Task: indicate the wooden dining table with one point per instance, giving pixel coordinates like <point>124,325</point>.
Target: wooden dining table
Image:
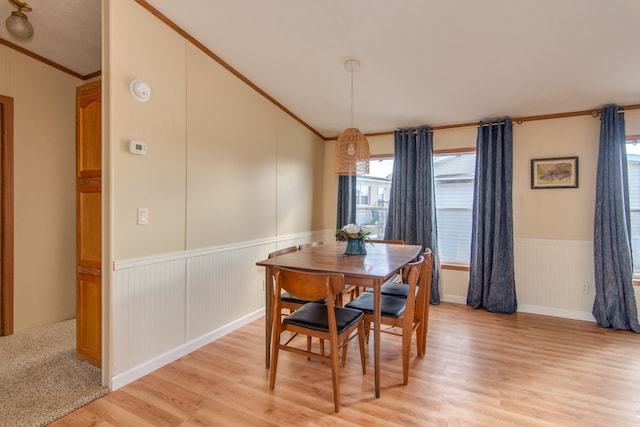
<point>370,270</point>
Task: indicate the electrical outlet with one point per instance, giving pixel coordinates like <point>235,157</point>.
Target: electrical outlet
<point>585,288</point>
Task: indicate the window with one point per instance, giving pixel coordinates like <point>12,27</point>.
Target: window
<point>454,176</point>
<point>372,196</point>
<point>633,167</point>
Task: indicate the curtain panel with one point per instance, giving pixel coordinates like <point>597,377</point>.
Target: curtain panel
<point>615,305</point>
<point>491,275</point>
<point>412,207</point>
<point>346,200</point>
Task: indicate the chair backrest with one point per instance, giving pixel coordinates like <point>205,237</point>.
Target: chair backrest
<point>283,251</point>
<point>412,272</point>
<point>307,285</point>
<point>392,242</point>
<point>308,245</point>
<point>428,275</point>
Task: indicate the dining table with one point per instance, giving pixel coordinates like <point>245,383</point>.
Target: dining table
<point>370,270</point>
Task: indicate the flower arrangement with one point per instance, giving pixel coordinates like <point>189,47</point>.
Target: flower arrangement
<point>352,231</point>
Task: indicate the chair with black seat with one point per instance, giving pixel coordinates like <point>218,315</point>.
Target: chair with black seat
<point>338,325</point>
<point>400,288</point>
<point>395,277</point>
<point>348,289</point>
<point>290,302</point>
<point>404,313</point>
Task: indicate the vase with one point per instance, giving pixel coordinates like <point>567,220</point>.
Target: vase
<point>355,246</point>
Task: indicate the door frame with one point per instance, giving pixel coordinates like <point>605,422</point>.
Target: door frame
<point>6,216</point>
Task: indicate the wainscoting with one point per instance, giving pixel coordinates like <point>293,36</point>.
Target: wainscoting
<point>168,306</point>
<point>553,277</point>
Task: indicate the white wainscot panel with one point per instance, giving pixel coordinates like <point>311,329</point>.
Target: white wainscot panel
<point>167,306</point>
<point>223,287</point>
<point>149,312</point>
<point>555,277</point>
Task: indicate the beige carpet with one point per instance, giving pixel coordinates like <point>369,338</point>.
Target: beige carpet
<point>40,378</point>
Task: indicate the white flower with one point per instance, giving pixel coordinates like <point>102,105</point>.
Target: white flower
<point>352,231</point>
<point>351,228</point>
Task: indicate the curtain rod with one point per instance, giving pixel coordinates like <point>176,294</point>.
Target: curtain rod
<point>519,120</point>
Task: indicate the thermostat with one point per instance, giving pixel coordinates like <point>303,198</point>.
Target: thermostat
<point>138,147</point>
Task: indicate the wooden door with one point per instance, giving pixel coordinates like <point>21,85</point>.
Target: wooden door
<point>6,215</point>
<point>89,222</point>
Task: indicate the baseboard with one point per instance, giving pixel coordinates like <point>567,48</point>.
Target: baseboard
<point>140,371</point>
<point>534,309</point>
<point>557,312</point>
<point>454,298</point>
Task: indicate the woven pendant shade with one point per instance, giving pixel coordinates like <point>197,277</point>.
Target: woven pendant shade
<point>351,155</point>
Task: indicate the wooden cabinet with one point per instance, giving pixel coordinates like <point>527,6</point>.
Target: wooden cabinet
<point>89,222</point>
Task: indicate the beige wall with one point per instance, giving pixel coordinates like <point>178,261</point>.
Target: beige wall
<point>155,181</point>
<point>44,173</point>
<point>224,165</point>
<point>226,177</point>
<point>563,214</point>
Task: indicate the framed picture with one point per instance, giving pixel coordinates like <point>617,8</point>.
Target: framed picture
<point>558,172</point>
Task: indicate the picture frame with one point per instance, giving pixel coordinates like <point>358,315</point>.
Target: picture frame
<point>554,172</point>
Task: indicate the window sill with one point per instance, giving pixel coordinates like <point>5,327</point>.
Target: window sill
<point>457,267</point>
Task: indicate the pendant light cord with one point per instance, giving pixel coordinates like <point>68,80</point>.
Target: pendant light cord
<point>352,95</point>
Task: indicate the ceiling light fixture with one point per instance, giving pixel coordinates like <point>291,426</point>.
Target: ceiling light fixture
<point>351,155</point>
<point>17,23</point>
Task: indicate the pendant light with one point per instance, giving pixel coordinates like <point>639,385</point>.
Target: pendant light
<point>351,155</point>
<point>17,23</point>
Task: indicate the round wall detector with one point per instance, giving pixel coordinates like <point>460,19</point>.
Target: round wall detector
<point>140,90</point>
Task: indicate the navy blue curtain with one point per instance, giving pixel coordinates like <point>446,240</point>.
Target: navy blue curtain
<point>346,200</point>
<point>491,277</point>
<point>615,305</point>
<point>412,206</point>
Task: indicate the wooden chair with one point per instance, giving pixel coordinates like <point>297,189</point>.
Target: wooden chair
<point>338,325</point>
<point>311,244</point>
<point>348,289</point>
<point>396,278</point>
<point>404,313</point>
<point>290,302</point>
<point>400,288</point>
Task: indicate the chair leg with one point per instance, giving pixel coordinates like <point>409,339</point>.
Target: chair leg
<point>367,328</point>
<point>335,372</point>
<point>275,348</point>
<point>406,355</point>
<point>345,346</point>
<point>420,338</point>
<point>425,320</point>
<point>362,352</point>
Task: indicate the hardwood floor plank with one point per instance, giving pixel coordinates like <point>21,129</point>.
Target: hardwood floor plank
<point>481,369</point>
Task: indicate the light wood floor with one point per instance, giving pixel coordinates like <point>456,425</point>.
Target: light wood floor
<point>481,369</point>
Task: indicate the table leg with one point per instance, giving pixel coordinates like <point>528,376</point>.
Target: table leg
<point>376,333</point>
<point>268,315</point>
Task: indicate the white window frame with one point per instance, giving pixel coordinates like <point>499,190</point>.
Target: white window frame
<point>451,264</point>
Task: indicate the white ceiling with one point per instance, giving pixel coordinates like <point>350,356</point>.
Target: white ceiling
<point>432,62</point>
<point>67,32</point>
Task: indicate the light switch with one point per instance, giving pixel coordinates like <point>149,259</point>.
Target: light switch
<point>143,216</point>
